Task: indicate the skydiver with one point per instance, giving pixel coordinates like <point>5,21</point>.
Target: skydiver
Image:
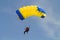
<point>26,30</point>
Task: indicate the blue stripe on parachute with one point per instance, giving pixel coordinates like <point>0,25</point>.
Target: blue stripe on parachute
<point>20,15</point>
<point>40,9</point>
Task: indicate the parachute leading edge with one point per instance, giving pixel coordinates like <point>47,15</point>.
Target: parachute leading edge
<point>28,11</point>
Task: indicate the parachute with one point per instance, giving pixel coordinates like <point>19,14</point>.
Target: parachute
<point>28,11</point>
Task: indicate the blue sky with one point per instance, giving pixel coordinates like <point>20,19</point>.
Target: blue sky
<point>40,29</point>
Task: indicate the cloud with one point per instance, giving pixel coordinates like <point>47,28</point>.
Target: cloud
<point>50,24</point>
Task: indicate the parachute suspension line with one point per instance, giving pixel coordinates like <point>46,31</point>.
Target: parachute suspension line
<point>29,22</point>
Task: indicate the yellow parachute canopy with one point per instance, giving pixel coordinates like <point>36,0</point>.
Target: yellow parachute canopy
<point>28,11</point>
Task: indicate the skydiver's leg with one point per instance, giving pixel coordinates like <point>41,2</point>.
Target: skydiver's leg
<point>24,32</point>
<point>27,31</point>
